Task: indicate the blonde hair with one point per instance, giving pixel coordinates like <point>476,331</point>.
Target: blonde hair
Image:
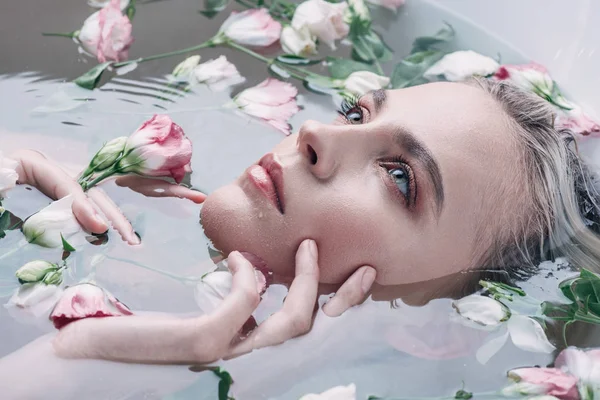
<point>562,219</point>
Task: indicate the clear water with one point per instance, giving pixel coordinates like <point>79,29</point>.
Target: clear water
<point>374,346</point>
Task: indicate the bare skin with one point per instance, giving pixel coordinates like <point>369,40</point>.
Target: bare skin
<point>392,192</point>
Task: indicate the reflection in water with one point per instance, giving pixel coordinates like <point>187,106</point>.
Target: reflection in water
<point>404,350</point>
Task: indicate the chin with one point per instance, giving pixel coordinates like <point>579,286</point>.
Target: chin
<point>230,222</point>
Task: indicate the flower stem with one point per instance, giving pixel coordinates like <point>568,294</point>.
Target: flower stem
<point>61,34</point>
<point>372,54</point>
<point>88,185</point>
<point>208,43</point>
<point>236,46</point>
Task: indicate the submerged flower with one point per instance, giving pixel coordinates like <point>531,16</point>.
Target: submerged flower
<point>218,74</point>
<point>158,148</point>
<point>272,100</point>
<point>362,82</point>
<point>297,41</point>
<point>323,20</point>
<point>489,314</point>
<point>8,174</point>
<point>35,299</point>
<point>46,226</point>
<point>335,393</point>
<point>86,300</point>
<point>254,27</point>
<point>542,381</point>
<point>533,77</point>
<point>577,121</point>
<point>184,69</point>
<point>583,365</point>
<point>107,34</point>
<point>390,4</point>
<point>461,65</point>
<point>35,271</point>
<point>482,310</point>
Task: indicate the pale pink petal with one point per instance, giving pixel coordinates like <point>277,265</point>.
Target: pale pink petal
<point>85,301</point>
<point>554,381</point>
<point>254,27</point>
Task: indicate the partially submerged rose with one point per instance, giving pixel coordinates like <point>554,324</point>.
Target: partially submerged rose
<point>323,20</point>
<point>362,82</point>
<point>106,34</point>
<point>272,100</point>
<point>486,313</point>
<point>542,381</point>
<point>46,226</point>
<point>86,300</point>
<point>583,365</point>
<point>298,41</point>
<point>218,74</point>
<point>34,299</point>
<point>183,70</point>
<point>8,175</point>
<point>254,27</point>
<point>159,148</point>
<point>461,65</point>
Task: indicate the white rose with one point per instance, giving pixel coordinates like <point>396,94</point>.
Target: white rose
<point>8,174</point>
<point>323,20</point>
<point>184,69</point>
<point>461,65</point>
<point>362,82</point>
<point>299,42</point>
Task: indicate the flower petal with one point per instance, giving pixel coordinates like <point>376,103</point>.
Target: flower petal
<point>491,347</point>
<point>527,334</point>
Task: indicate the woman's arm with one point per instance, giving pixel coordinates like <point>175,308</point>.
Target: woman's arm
<point>211,337</point>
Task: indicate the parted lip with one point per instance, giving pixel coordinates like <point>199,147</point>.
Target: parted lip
<point>275,171</point>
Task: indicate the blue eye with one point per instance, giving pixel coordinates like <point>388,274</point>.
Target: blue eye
<point>402,180</point>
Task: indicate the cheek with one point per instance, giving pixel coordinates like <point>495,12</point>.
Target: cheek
<point>349,235</point>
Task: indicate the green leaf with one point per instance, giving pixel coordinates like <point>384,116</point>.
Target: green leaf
<point>320,85</point>
<point>213,7</point>
<point>566,287</point>
<point>340,68</point>
<point>292,59</point>
<point>424,43</point>
<point>279,72</point>
<point>130,10</point>
<point>66,245</point>
<point>463,394</point>
<point>90,79</point>
<point>370,47</point>
<point>224,384</point>
<point>409,72</point>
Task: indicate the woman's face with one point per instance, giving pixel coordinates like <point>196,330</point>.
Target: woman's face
<point>402,182</point>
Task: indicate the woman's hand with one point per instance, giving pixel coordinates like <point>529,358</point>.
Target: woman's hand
<point>214,336</point>
<point>36,170</point>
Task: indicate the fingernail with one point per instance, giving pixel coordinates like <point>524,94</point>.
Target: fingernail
<point>312,248</point>
<point>367,280</point>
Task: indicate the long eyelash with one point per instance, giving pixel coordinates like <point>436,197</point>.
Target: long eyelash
<point>412,181</point>
<point>348,104</point>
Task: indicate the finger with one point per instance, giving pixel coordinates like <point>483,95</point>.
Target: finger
<point>159,188</point>
<point>87,215</point>
<point>352,292</point>
<point>114,215</point>
<point>295,318</point>
<point>241,301</point>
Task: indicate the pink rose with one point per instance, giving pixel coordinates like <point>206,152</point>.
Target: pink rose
<point>390,4</point>
<point>253,27</point>
<point>548,381</point>
<point>272,100</point>
<point>107,34</point>
<point>158,148</point>
<point>86,300</point>
<point>578,122</point>
<point>583,365</point>
<point>533,77</point>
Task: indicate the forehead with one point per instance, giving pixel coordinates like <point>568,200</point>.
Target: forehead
<point>470,137</point>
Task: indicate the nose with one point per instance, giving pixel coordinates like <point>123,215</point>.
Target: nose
<point>320,145</point>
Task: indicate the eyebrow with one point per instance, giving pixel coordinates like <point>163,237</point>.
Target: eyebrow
<point>417,149</point>
<point>379,97</point>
